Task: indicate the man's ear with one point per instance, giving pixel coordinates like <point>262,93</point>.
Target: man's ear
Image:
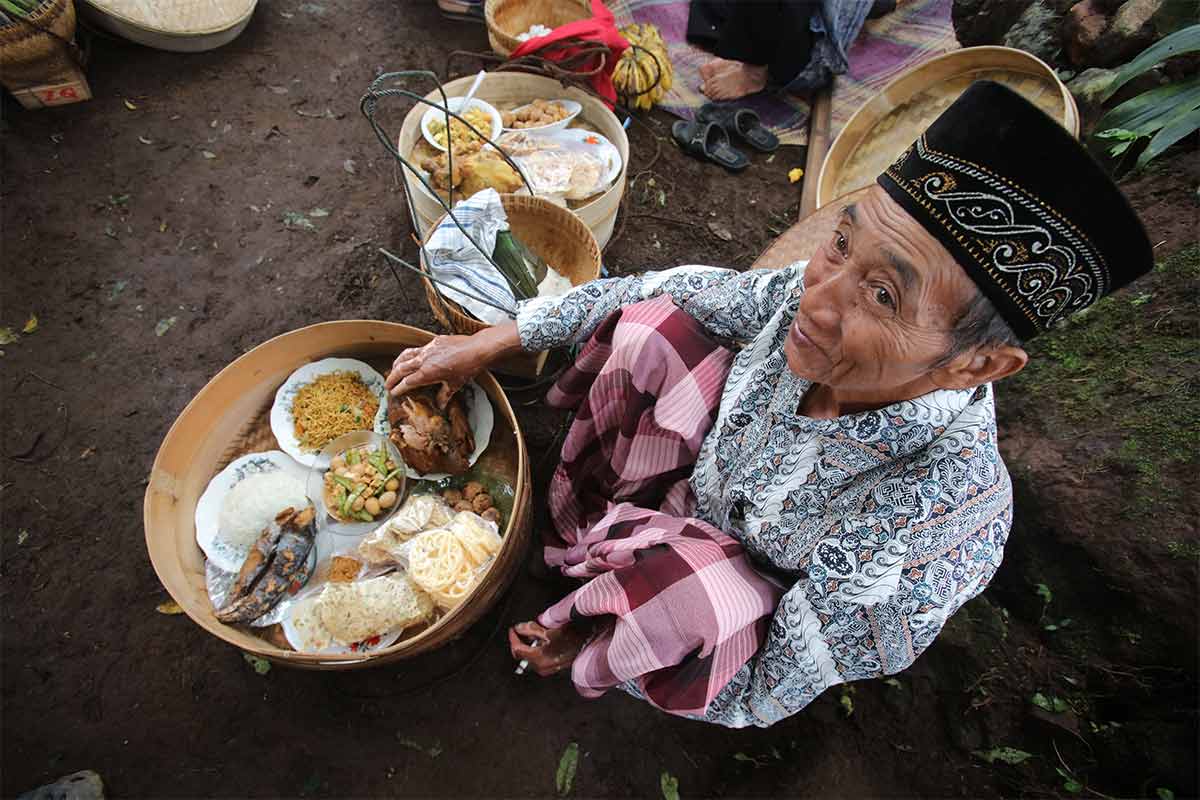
<point>978,367</point>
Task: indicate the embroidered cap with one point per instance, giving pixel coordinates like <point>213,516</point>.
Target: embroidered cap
<point>1025,210</point>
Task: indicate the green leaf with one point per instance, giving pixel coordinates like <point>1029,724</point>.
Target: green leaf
<point>1069,783</point>
<point>1178,43</point>
<point>1116,133</point>
<point>669,785</point>
<point>1041,701</point>
<point>566,769</point>
<point>1043,591</point>
<point>7,336</point>
<point>261,665</point>
<point>1005,755</point>
<point>1169,135</point>
<point>892,682</point>
<point>1164,794</point>
<point>1149,111</point>
<point>164,325</point>
<point>847,704</point>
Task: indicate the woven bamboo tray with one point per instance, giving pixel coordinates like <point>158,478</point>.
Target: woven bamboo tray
<point>185,26</point>
<point>230,417</point>
<point>507,19</point>
<point>892,120</point>
<point>559,237</point>
<point>802,241</point>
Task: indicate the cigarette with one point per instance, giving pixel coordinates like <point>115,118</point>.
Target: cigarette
<point>520,670</point>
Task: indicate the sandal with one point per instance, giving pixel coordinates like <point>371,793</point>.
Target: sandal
<point>742,123</point>
<point>709,141</point>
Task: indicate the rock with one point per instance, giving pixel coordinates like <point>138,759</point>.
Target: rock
<point>979,22</point>
<point>1088,88</point>
<point>83,785</point>
<point>1085,23</point>
<point>1131,31</point>
<point>1037,31</point>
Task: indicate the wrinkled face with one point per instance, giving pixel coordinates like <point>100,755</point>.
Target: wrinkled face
<point>880,300</point>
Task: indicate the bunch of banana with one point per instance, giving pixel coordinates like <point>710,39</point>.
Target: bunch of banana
<point>635,73</point>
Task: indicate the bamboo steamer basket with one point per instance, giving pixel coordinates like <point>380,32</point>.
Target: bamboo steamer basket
<point>30,54</point>
<point>184,26</point>
<point>559,237</point>
<point>506,88</point>
<point>507,19</point>
<point>801,241</point>
<point>230,417</point>
<point>890,121</point>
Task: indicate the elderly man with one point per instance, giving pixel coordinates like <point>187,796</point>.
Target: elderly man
<point>779,481</point>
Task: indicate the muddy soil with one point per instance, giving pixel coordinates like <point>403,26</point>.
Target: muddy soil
<point>148,232</point>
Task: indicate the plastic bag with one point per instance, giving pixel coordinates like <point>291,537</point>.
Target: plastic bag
<point>556,164</point>
<point>387,544</point>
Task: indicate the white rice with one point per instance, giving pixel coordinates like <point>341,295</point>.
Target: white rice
<point>253,504</point>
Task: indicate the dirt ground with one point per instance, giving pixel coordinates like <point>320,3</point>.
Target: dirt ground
<point>146,231</point>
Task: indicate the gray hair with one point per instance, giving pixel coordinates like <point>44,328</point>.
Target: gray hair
<point>979,326</point>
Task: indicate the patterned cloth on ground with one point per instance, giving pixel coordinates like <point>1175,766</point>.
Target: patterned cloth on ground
<point>680,607</point>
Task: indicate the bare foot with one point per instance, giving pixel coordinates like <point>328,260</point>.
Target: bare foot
<point>547,650</point>
<point>734,81</point>
<point>714,66</point>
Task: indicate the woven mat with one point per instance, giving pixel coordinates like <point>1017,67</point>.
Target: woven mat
<point>785,114</point>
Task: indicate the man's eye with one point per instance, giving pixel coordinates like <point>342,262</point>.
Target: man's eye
<point>884,297</point>
<point>839,241</point>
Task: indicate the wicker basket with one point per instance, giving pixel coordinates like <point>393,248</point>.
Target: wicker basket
<point>506,19</point>
<point>39,52</point>
<point>558,236</point>
<point>229,417</point>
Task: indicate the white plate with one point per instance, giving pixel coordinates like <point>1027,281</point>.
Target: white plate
<point>302,642</point>
<point>481,418</point>
<point>573,109</point>
<point>600,147</point>
<point>223,554</point>
<point>283,424</point>
<point>455,104</point>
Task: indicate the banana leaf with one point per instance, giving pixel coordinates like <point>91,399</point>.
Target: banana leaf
<point>1182,41</point>
<point>1170,133</point>
<point>1151,110</point>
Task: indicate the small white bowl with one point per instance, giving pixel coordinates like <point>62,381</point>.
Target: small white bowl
<point>573,109</point>
<point>455,104</point>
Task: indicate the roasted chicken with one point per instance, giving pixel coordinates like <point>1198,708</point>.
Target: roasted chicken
<point>429,437</point>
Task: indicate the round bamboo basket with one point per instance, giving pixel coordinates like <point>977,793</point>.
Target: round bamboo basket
<point>507,19</point>
<point>505,90</point>
<point>34,53</point>
<point>802,241</point>
<point>229,417</point>
<point>559,237</point>
<point>890,121</point>
<point>183,26</point>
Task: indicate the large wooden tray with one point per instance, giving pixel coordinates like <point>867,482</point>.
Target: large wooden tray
<point>229,417</point>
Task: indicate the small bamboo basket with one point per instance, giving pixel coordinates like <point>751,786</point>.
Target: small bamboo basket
<point>39,62</point>
<point>507,19</point>
<point>558,236</point>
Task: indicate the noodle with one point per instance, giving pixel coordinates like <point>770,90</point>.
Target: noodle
<point>332,405</point>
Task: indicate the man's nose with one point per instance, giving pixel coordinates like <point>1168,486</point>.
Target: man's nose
<point>823,300</point>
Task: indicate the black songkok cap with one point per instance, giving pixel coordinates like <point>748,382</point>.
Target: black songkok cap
<point>1030,216</point>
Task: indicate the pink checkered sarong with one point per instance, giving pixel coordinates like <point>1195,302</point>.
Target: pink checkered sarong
<point>679,608</point>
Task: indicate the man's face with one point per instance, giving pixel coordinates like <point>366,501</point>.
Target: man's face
<point>880,300</point>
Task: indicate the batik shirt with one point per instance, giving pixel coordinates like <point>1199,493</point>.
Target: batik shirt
<point>882,523</point>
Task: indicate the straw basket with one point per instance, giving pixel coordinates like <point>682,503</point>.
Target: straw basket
<point>889,122</point>
<point>39,52</point>
<point>229,417</point>
<point>506,19</point>
<point>559,237</point>
<point>505,89</point>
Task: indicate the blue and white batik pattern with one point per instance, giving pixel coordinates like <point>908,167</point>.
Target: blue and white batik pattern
<point>883,523</point>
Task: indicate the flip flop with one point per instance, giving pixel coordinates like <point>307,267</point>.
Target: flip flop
<point>742,123</point>
<point>462,10</point>
<point>709,141</point>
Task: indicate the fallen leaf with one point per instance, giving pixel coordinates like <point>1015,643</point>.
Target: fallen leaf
<point>209,154</point>
<point>130,105</point>
<point>566,769</point>
<point>164,325</point>
<point>1006,755</point>
<point>144,140</point>
<point>7,336</point>
<point>895,684</point>
<point>412,744</point>
<point>319,212</point>
<point>1043,591</point>
<point>795,174</point>
<point>770,158</point>
<point>847,704</point>
<point>23,536</point>
<point>87,453</point>
<point>669,785</point>
<point>720,232</point>
<point>171,608</point>
<point>278,89</point>
<point>349,166</point>
<point>294,219</point>
<point>261,665</point>
<point>1164,794</point>
<point>162,226</point>
<point>31,325</point>
<point>118,287</point>
<point>110,231</point>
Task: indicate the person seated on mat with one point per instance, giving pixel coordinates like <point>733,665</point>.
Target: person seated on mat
<point>778,481</point>
<point>798,45</point>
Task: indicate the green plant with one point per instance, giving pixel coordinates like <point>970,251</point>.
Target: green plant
<point>1163,115</point>
<point>17,8</point>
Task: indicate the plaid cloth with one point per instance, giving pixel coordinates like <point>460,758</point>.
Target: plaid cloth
<point>681,608</point>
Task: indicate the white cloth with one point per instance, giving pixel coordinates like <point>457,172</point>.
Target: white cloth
<point>454,260</point>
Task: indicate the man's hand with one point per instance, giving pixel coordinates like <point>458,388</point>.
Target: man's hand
<point>451,360</point>
<point>547,650</point>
